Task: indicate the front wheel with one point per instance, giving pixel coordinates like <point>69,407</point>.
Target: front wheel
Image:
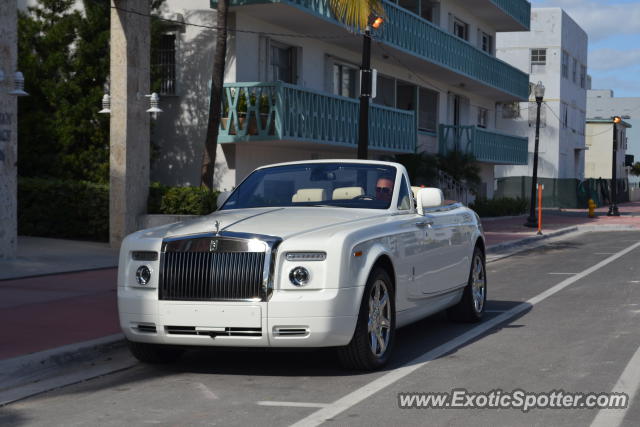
<point>154,353</point>
<point>471,306</point>
<point>373,339</point>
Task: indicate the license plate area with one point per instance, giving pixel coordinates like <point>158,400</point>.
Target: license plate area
<point>211,317</point>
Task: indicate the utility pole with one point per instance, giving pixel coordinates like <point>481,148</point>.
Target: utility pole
<point>366,84</point>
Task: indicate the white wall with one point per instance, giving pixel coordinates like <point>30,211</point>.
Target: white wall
<point>598,157</point>
<point>561,153</point>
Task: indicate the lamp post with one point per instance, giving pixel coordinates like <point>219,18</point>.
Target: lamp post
<point>531,220</point>
<point>613,205</point>
<point>365,88</point>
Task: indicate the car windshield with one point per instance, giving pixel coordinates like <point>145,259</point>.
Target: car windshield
<point>349,185</point>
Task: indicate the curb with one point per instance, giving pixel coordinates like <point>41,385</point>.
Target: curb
<point>35,373</point>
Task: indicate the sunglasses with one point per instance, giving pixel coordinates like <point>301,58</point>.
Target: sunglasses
<point>385,190</point>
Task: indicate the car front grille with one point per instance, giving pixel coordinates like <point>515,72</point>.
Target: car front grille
<point>211,276</point>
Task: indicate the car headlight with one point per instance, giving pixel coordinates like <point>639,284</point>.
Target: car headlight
<point>299,276</point>
<point>143,275</point>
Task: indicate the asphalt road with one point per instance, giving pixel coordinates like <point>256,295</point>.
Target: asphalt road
<point>571,311</point>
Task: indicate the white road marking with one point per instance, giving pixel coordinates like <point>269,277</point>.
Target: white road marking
<point>357,396</point>
<point>635,281</point>
<point>568,274</point>
<point>206,391</point>
<point>292,404</point>
<point>627,383</point>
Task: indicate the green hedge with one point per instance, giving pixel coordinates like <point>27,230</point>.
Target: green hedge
<point>80,209</point>
<point>504,206</point>
<point>67,209</point>
<point>181,200</point>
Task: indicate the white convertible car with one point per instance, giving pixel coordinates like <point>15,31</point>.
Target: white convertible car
<point>327,253</point>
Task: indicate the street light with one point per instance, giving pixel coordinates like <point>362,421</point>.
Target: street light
<point>365,87</point>
<point>531,221</point>
<point>613,206</point>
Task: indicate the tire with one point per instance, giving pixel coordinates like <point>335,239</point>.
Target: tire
<point>471,307</point>
<point>154,353</point>
<point>359,353</point>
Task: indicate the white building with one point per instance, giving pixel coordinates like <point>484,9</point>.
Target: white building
<point>555,53</point>
<point>600,154</point>
<point>292,82</point>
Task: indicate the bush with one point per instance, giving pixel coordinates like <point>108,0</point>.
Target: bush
<point>67,209</point>
<point>80,209</point>
<point>504,206</point>
<point>181,200</point>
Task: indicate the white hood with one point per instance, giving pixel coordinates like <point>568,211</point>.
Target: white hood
<point>280,222</point>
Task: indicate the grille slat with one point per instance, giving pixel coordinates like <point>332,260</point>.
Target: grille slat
<point>211,276</point>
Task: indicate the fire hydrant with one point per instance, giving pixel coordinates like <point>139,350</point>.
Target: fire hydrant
<point>592,208</point>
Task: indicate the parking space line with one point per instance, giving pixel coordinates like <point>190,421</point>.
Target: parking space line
<point>292,404</point>
<point>627,383</point>
<point>348,401</point>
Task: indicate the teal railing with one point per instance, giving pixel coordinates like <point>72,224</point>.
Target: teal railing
<point>411,33</point>
<point>487,146</point>
<point>269,111</point>
<point>520,10</point>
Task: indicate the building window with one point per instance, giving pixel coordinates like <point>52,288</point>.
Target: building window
<point>282,63</point>
<point>583,77</point>
<point>386,92</point>
<point>575,71</point>
<point>486,42</point>
<point>163,69</point>
<point>430,10</point>
<point>460,29</point>
<point>511,110</point>
<point>427,110</point>
<point>538,59</point>
<point>565,64</point>
<point>344,80</point>
<point>483,117</point>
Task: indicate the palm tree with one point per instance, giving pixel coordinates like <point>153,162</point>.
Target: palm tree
<point>353,13</point>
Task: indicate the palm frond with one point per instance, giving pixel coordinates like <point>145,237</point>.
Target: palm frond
<point>356,13</point>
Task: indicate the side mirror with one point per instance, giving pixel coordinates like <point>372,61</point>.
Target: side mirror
<point>222,197</point>
<point>429,198</point>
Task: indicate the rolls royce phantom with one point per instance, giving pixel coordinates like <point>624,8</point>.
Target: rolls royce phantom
<point>326,253</point>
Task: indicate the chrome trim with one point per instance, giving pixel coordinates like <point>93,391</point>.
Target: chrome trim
<point>228,242</point>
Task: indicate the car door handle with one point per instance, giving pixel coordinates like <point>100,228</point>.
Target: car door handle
<point>424,223</point>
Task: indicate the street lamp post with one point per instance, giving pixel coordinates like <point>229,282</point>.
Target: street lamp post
<point>365,88</point>
<point>613,205</point>
<point>531,220</point>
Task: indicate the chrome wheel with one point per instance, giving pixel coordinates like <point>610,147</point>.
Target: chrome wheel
<point>379,324</point>
<point>478,283</point>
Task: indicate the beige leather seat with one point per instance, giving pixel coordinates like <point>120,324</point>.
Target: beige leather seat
<point>344,193</point>
<point>309,195</point>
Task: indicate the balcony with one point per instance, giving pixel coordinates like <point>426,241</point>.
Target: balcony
<point>418,43</point>
<point>280,111</point>
<point>487,146</point>
<point>504,15</point>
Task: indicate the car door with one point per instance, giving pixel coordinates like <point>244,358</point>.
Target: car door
<point>447,255</point>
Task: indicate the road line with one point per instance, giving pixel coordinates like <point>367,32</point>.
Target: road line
<point>397,374</point>
<point>627,383</point>
<point>293,404</point>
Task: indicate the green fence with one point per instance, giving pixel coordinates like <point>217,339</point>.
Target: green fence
<point>486,145</point>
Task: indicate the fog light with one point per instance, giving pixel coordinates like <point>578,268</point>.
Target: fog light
<point>299,276</point>
<point>143,275</point>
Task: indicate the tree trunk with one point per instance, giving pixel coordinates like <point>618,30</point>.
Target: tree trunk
<point>217,78</point>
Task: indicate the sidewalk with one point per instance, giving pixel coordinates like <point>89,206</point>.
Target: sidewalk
<point>54,310</point>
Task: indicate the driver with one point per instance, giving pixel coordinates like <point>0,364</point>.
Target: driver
<point>384,188</point>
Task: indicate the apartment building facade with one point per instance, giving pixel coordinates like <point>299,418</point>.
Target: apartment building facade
<point>292,82</point>
<point>554,52</point>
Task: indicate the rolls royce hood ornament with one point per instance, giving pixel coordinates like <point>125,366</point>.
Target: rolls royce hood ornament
<point>217,225</point>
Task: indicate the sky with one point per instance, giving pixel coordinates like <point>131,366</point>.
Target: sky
<point>613,27</point>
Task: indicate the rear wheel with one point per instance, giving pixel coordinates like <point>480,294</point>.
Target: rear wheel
<point>154,353</point>
<point>373,339</point>
<point>471,306</point>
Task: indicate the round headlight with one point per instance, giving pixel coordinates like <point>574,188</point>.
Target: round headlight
<point>143,275</point>
<point>299,276</point>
